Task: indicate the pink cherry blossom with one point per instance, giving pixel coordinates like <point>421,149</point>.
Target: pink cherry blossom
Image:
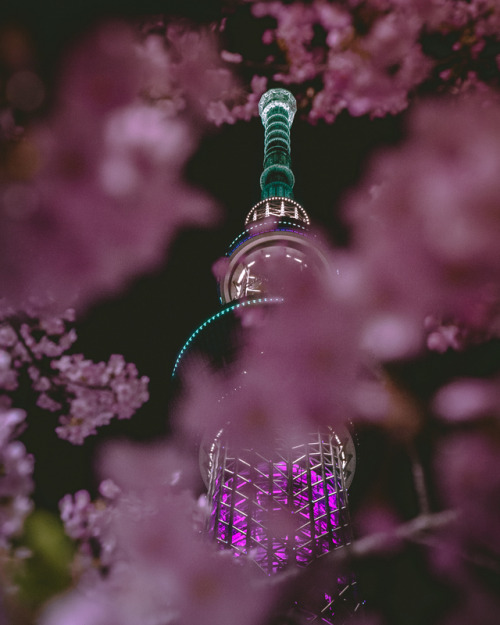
<point>246,405</point>
<point>131,465</point>
<point>86,607</point>
<point>135,475</point>
<point>446,335</point>
<point>88,394</point>
<point>104,163</point>
<point>467,475</point>
<point>88,524</point>
<point>371,57</point>
<point>162,569</point>
<point>219,112</point>
<point>468,399</point>
<point>370,72</point>
<point>314,335</point>
<point>96,393</point>
<point>427,234</point>
<point>16,483</point>
<point>97,196</point>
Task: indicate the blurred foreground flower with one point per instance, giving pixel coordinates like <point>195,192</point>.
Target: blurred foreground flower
<point>161,569</point>
<point>427,222</point>
<point>468,553</point>
<point>16,483</point>
<point>94,195</point>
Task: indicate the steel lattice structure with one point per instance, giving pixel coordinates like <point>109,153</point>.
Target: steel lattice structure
<point>306,480</point>
<point>301,488</point>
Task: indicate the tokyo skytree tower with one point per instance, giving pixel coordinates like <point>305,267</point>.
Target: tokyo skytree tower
<point>308,481</point>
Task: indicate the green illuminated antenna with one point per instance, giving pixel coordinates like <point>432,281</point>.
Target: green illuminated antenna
<point>277,108</point>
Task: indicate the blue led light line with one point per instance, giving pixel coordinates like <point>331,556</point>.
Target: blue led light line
<point>251,302</point>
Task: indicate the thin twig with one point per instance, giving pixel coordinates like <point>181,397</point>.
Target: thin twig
<point>419,480</point>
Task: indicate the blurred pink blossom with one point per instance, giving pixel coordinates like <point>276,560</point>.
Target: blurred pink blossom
<point>299,367</point>
<point>468,399</point>
<point>444,335</point>
<point>163,570</point>
<point>246,404</point>
<point>131,466</point>
<point>428,235</point>
<point>102,190</point>
<point>219,112</point>
<point>16,481</point>
<point>309,349</point>
<point>467,469</point>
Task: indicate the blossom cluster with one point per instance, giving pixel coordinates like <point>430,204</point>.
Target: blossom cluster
<point>88,522</point>
<point>16,484</point>
<point>104,161</point>
<point>364,73</point>
<point>95,392</point>
<point>196,74</point>
<point>27,341</point>
<point>158,567</point>
<point>87,394</point>
<point>365,57</point>
<point>426,224</point>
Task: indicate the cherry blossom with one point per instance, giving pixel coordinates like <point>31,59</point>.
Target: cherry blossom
<point>88,523</point>
<point>366,57</point>
<point>31,338</point>
<point>95,191</point>
<point>248,409</point>
<point>467,400</point>
<point>96,392</point>
<point>442,336</point>
<point>16,483</point>
<point>367,61</point>
<point>130,465</point>
<point>135,475</point>
<point>104,162</point>
<point>425,222</point>
<point>467,472</point>
<point>218,111</point>
<point>162,570</point>
<point>87,394</point>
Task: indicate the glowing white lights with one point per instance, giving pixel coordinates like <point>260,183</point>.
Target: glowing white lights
<point>277,207</point>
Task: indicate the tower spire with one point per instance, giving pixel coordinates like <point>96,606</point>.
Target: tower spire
<point>277,108</point>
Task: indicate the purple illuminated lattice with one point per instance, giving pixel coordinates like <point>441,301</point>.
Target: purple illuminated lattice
<point>280,510</point>
<point>286,509</point>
